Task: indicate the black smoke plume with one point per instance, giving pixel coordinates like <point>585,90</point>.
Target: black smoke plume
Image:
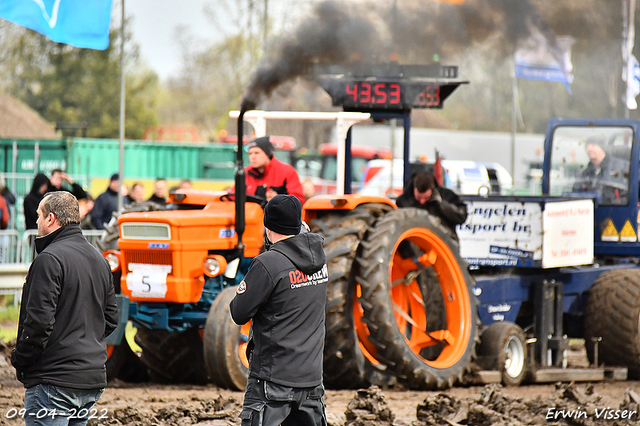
<point>341,32</point>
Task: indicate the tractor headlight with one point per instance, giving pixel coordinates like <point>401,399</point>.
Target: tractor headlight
<point>214,265</point>
<point>113,257</point>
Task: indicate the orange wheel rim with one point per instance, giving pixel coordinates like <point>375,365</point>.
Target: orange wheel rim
<point>110,349</point>
<point>408,305</point>
<point>244,341</point>
<point>368,349</point>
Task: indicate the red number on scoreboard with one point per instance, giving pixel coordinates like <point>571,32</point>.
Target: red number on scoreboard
<point>353,92</point>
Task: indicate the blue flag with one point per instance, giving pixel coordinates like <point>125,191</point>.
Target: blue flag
<point>536,59</point>
<point>80,23</point>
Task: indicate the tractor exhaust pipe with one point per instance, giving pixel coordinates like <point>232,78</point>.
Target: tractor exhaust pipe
<point>241,186</point>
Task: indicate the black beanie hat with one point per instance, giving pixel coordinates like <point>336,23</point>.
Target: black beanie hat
<point>282,214</point>
<point>264,144</point>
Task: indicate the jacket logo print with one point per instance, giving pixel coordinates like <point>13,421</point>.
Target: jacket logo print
<point>299,279</point>
<point>242,287</point>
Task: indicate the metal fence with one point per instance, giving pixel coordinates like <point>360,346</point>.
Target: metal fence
<point>10,246</point>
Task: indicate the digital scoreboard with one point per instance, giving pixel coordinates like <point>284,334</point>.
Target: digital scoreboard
<point>388,87</point>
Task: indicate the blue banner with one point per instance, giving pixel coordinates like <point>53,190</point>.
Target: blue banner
<point>540,72</point>
<point>536,59</point>
<point>80,23</point>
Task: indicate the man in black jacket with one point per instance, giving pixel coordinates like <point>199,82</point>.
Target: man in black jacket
<point>68,309</point>
<point>422,192</point>
<point>605,174</point>
<point>32,200</point>
<point>58,177</point>
<point>284,294</point>
<point>106,203</point>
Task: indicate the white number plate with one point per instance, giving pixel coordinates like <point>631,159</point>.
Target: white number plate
<point>148,280</point>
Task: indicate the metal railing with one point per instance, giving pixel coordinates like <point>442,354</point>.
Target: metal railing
<point>9,246</point>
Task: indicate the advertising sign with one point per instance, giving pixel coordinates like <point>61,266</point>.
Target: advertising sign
<point>568,233</point>
<point>502,233</point>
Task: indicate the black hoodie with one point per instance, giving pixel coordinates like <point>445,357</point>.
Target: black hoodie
<point>68,309</point>
<point>284,293</point>
<point>32,200</point>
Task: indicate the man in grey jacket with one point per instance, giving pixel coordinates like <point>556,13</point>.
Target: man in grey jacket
<point>284,294</point>
<point>68,310</point>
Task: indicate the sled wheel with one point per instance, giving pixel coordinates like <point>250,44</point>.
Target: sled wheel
<point>172,357</point>
<point>394,308</point>
<point>347,365</point>
<point>503,347</point>
<point>225,344</point>
<point>612,312</point>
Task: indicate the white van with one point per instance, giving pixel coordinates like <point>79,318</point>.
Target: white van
<point>464,177</point>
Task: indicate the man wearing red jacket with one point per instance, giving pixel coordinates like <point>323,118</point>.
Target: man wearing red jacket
<point>267,176</point>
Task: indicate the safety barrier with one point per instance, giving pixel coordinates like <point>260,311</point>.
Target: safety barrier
<point>9,246</point>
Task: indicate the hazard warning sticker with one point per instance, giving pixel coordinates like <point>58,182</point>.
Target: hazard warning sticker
<point>627,233</point>
<point>609,231</point>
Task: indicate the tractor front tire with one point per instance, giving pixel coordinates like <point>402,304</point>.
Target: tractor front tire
<point>612,312</point>
<point>225,345</point>
<point>397,313</point>
<point>172,357</point>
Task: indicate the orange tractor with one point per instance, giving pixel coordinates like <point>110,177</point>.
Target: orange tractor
<point>400,306</point>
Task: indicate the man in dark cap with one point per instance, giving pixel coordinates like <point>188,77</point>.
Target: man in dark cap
<point>106,203</point>
<point>284,294</point>
<point>605,174</point>
<point>423,192</point>
<point>266,176</point>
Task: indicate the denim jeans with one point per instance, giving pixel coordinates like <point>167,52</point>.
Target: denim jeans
<point>55,405</point>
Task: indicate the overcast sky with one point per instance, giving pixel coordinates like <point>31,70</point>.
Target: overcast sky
<point>155,22</point>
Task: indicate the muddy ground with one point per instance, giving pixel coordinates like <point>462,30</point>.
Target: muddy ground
<point>152,404</point>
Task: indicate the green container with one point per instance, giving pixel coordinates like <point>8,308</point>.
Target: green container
<point>50,154</point>
<point>145,159</point>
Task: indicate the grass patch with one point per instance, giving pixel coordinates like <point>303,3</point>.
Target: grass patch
<point>8,333</point>
<point>9,313</point>
<point>9,322</point>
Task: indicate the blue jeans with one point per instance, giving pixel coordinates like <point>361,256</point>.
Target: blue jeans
<point>56,406</point>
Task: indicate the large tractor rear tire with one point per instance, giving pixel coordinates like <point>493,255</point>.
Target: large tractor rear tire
<point>396,310</point>
<point>345,364</point>
<point>172,357</point>
<point>612,312</point>
<point>225,345</point>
